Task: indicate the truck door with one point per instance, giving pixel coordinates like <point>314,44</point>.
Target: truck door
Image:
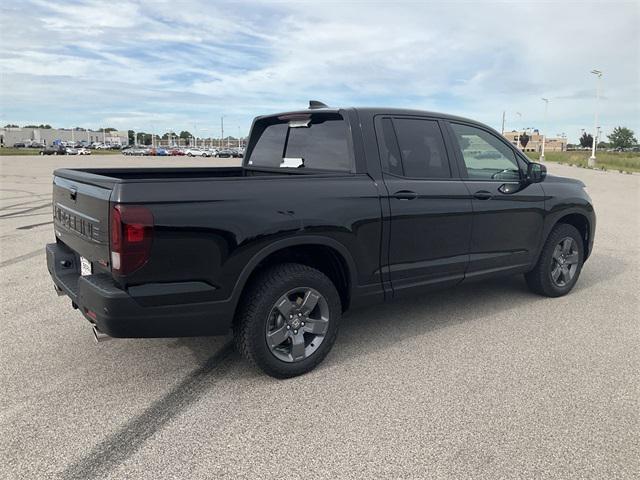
<point>508,214</point>
<point>430,207</point>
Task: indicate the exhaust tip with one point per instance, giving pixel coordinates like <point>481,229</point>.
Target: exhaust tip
<point>98,336</point>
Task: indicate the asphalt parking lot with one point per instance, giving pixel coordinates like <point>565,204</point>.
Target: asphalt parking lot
<point>483,381</point>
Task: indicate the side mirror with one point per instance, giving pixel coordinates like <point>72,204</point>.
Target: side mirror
<point>536,172</point>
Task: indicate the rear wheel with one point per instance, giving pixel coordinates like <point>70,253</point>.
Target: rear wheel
<point>288,320</point>
<point>560,262</point>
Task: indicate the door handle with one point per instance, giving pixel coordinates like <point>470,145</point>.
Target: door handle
<point>405,195</point>
<point>482,195</point>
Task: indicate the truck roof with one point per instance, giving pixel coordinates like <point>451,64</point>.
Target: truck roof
<point>373,111</point>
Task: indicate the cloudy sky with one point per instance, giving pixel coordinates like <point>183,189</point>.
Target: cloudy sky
<point>182,64</point>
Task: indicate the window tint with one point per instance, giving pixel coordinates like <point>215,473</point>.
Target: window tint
<point>485,156</point>
<point>389,153</point>
<point>422,148</point>
<point>322,144</point>
<point>269,148</point>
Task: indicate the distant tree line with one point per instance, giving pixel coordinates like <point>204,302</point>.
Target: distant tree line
<point>621,137</point>
<point>12,125</point>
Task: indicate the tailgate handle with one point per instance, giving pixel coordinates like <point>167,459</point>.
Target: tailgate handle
<point>73,193</point>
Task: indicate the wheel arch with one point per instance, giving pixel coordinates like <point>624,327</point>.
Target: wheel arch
<point>581,222</point>
<point>323,253</point>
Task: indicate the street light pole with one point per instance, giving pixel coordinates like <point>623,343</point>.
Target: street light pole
<point>221,131</point>
<point>592,158</point>
<point>544,125</point>
<point>518,145</point>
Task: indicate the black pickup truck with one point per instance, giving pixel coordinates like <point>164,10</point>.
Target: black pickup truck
<point>331,209</point>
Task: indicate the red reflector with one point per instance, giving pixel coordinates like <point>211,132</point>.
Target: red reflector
<point>131,236</point>
<point>135,233</point>
<point>91,314</point>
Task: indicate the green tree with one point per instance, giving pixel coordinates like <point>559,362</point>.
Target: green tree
<point>131,136</point>
<point>144,138</point>
<point>524,139</point>
<point>586,140</point>
<point>11,125</point>
<point>622,137</point>
<point>185,135</point>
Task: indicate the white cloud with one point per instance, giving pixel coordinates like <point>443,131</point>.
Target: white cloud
<point>180,63</point>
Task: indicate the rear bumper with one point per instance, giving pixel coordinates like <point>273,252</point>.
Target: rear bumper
<point>152,310</point>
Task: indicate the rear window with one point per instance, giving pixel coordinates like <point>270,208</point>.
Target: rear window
<point>317,141</point>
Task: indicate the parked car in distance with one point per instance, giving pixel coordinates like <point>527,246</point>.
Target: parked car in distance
<point>19,145</point>
<point>331,209</point>
<point>176,152</point>
<point>136,151</point>
<point>196,152</point>
<point>224,153</point>
<point>54,150</point>
<point>83,151</point>
<point>158,152</point>
<point>71,150</point>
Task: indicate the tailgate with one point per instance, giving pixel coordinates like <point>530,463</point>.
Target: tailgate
<point>81,217</point>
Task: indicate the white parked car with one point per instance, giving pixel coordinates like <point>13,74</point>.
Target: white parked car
<point>71,151</point>
<point>84,151</point>
<point>196,152</point>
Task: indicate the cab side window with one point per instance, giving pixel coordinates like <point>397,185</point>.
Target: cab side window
<point>413,147</point>
<point>485,156</point>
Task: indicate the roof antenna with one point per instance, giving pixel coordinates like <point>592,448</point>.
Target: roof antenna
<point>314,104</point>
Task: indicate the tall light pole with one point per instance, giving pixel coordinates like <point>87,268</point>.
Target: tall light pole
<point>221,130</point>
<point>518,145</point>
<point>592,158</point>
<point>544,125</point>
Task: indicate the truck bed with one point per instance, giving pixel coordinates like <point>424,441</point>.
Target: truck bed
<point>109,176</point>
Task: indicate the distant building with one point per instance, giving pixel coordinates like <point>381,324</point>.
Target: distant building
<point>535,142</point>
<point>48,136</point>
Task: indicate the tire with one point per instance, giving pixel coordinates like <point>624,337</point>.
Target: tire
<point>556,257</point>
<point>260,317</point>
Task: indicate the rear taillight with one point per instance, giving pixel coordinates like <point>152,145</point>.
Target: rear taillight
<point>131,236</point>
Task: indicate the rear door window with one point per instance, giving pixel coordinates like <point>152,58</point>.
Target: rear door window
<point>307,141</point>
<point>413,147</point>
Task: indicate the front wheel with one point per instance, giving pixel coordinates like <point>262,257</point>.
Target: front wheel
<point>288,320</point>
<point>560,262</point>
